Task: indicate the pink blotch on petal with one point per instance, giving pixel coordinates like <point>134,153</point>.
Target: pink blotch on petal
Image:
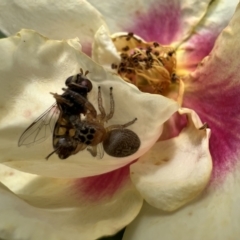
<point>27,114</point>
<point>199,46</point>
<point>161,23</point>
<point>105,185</point>
<point>173,126</point>
<point>8,173</point>
<point>218,104</point>
<point>87,48</point>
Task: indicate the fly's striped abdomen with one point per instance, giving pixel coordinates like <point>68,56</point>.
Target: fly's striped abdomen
<point>63,129</point>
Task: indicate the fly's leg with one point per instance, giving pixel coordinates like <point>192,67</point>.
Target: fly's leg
<point>77,86</point>
<point>121,126</point>
<point>61,99</point>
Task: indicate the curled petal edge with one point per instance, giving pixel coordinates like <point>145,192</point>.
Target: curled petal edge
<point>175,171</point>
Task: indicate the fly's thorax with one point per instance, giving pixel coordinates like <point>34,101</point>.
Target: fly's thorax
<point>73,107</point>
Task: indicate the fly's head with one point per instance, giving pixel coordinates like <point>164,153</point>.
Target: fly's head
<point>79,83</point>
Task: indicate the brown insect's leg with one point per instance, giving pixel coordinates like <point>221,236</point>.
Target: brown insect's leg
<point>119,126</point>
<point>81,100</point>
<point>76,86</point>
<point>102,114</point>
<point>110,115</point>
<point>51,153</point>
<point>60,99</point>
<point>93,150</point>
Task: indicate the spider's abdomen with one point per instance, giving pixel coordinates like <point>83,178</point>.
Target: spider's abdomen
<point>121,143</point>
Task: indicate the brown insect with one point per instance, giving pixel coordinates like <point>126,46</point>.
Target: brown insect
<point>71,134</point>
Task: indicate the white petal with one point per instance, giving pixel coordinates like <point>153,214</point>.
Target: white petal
<point>154,20</point>
<point>31,67</point>
<point>200,44</point>
<point>47,208</point>
<point>104,52</point>
<point>175,171</point>
<point>56,20</point>
<point>14,179</point>
<point>212,216</point>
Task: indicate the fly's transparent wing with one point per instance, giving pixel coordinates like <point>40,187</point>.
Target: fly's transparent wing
<point>41,128</point>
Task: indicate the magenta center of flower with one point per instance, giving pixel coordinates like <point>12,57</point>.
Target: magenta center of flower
<point>102,186</point>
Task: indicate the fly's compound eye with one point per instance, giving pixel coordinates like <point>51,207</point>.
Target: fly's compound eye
<point>69,80</point>
<point>79,80</point>
<point>86,83</point>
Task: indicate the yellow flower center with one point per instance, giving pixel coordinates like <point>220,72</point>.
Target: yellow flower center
<point>148,65</point>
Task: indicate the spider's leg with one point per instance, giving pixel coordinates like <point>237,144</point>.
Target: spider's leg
<point>102,114</point>
<point>92,150</point>
<point>120,126</point>
<point>110,115</point>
